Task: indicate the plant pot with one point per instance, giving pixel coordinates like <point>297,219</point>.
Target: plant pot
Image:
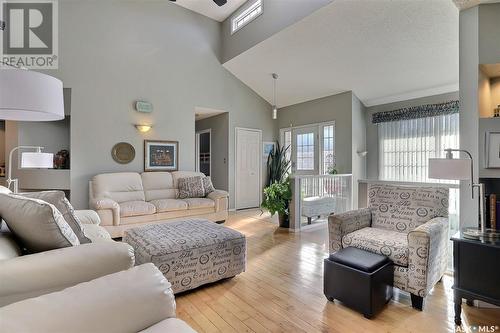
<point>284,220</point>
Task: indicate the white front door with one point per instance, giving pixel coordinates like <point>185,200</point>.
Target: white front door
<point>248,165</point>
<point>305,150</point>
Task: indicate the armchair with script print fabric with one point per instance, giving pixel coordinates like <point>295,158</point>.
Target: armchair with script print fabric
<point>407,224</point>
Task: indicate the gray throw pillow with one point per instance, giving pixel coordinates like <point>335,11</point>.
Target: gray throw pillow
<point>58,199</point>
<point>191,187</point>
<point>207,185</point>
<point>38,225</point>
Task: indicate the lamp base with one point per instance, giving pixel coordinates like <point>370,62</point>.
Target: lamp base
<point>489,235</point>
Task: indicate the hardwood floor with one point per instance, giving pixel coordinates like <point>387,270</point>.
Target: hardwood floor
<point>282,291</point>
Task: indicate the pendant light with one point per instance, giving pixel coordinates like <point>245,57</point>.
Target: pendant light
<point>275,107</point>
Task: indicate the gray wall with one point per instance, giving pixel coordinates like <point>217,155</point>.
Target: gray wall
<point>52,135</point>
<point>372,130</point>
<point>337,107</point>
<point>2,142</point>
<point>115,52</point>
<point>469,113</point>
<point>219,126</point>
<point>489,30</point>
<point>277,15</point>
<point>358,145</point>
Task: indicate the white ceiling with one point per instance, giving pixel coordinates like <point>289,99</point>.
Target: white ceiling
<point>383,50</point>
<point>210,9</point>
<point>464,4</point>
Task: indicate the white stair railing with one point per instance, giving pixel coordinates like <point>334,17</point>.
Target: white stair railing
<point>315,197</point>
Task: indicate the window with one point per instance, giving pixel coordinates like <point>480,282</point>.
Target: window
<point>305,151</point>
<point>328,149</point>
<point>405,146</point>
<point>246,16</point>
<point>287,143</point>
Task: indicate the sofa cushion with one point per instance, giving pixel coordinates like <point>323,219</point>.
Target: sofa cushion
<point>403,208</point>
<point>389,243</point>
<point>8,246</point>
<point>135,208</point>
<point>168,205</point>
<point>158,185</point>
<point>37,224</point>
<point>58,199</point>
<point>120,187</point>
<point>191,187</point>
<point>194,203</point>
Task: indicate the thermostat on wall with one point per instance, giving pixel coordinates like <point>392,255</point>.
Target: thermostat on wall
<point>143,106</point>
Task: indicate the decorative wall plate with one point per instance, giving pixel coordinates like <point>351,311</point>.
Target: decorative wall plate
<point>123,152</point>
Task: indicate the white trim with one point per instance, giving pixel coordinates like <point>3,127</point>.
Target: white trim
<point>236,129</point>
<point>411,95</point>
<point>197,150</point>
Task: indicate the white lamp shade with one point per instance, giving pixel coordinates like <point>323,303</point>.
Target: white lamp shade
<point>447,168</point>
<point>37,161</point>
<point>30,96</point>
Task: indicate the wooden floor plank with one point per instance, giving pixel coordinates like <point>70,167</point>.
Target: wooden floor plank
<point>282,291</point>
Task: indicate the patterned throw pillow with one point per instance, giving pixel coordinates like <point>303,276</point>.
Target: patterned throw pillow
<point>58,199</point>
<point>191,187</point>
<point>207,185</point>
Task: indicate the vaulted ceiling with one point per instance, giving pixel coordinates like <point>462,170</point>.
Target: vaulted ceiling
<point>210,9</point>
<point>382,50</point>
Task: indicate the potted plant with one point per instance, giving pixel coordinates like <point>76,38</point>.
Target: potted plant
<point>278,165</point>
<point>277,198</point>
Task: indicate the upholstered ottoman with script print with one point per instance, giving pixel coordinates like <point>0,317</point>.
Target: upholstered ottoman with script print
<point>191,252</point>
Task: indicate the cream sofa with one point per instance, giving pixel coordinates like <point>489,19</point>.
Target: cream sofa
<point>128,199</point>
<point>137,300</point>
<point>26,276</point>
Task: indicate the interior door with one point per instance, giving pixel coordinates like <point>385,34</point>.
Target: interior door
<point>203,152</point>
<point>305,150</point>
<point>248,168</point>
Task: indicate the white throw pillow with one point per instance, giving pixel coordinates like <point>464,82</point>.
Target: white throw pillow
<point>38,225</point>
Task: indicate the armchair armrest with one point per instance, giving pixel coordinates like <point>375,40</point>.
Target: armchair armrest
<point>221,199</point>
<point>427,256</point>
<point>107,209</point>
<point>61,268</point>
<point>340,225</point>
<point>128,301</point>
<point>88,216</point>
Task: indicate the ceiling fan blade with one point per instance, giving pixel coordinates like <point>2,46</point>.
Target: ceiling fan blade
<point>220,2</point>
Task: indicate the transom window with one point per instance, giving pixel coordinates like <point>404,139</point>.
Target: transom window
<point>246,16</point>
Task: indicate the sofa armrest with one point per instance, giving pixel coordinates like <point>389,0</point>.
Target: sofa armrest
<point>427,256</point>
<point>128,301</point>
<point>340,225</point>
<point>41,273</point>
<point>221,199</point>
<point>88,216</point>
<point>107,209</point>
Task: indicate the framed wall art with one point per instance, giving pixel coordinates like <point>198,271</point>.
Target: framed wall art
<point>492,152</point>
<point>161,155</point>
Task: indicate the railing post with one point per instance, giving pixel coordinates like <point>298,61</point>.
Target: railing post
<point>295,205</point>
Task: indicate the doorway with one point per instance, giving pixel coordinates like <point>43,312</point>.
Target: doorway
<point>248,181</point>
<point>203,152</point>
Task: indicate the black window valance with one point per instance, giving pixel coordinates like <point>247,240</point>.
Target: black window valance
<point>414,112</point>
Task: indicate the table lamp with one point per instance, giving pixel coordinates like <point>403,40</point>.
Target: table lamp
<point>458,169</point>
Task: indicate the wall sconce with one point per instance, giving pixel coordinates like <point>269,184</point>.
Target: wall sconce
<point>362,153</point>
<point>143,128</point>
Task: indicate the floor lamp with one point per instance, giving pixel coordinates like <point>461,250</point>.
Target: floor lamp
<point>30,96</point>
<point>459,169</point>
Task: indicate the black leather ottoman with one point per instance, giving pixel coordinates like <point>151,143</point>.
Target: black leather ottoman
<point>360,279</point>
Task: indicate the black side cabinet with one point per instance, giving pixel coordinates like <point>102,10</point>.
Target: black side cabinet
<point>477,272</point>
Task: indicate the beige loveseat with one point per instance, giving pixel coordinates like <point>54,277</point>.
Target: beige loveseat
<point>31,275</point>
<point>128,199</point>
